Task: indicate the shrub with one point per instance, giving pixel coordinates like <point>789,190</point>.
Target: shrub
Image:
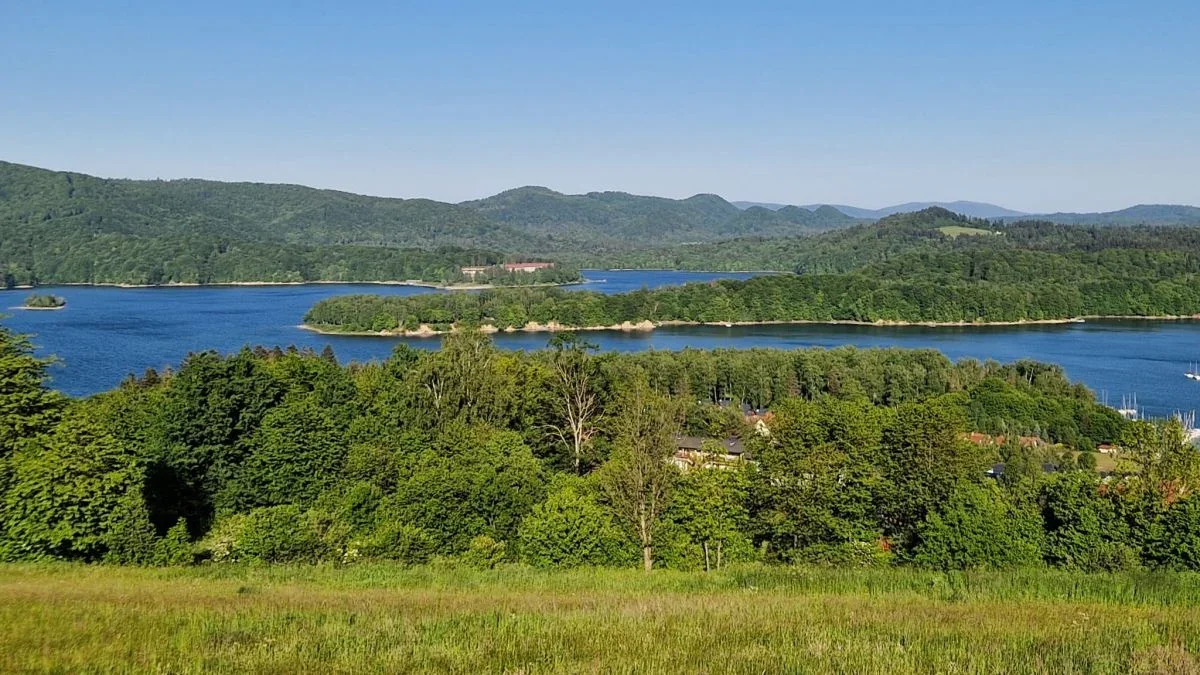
<point>1084,529</point>
<point>397,541</point>
<point>979,527</point>
<point>484,552</point>
<point>278,534</point>
<point>130,537</point>
<point>861,554</point>
<point>176,547</point>
<point>1175,543</point>
<point>570,529</point>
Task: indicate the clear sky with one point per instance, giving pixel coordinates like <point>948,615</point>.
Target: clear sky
<point>1038,105</point>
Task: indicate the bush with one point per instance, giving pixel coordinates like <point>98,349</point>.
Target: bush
<point>484,552</point>
<point>278,534</point>
<point>130,537</point>
<point>176,547</point>
<point>570,529</point>
<point>266,534</point>
<point>396,541</point>
<point>1084,528</point>
<point>860,554</point>
<point>979,527</point>
<point>1175,543</point>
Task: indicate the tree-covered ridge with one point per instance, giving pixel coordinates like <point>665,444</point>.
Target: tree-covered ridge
<point>929,231</point>
<point>956,288</point>
<point>865,459</point>
<point>61,227</point>
<point>71,228</point>
<point>621,221</point>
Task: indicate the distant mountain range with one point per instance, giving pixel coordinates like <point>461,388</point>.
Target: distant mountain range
<point>1142,214</point>
<point>970,209</point>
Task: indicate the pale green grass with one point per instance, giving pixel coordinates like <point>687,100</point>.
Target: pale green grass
<point>381,618</point>
<point>959,231</point>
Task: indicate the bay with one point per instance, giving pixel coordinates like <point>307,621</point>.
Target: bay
<point>106,333</point>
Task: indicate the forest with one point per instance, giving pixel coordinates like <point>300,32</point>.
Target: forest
<point>60,227</point>
<point>566,457</point>
<point>931,231</point>
<point>970,288</point>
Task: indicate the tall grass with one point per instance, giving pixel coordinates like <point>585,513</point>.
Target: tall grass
<point>382,618</point>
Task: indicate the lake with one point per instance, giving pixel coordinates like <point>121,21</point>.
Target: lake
<point>106,333</point>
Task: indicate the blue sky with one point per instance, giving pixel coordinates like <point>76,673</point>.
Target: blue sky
<point>1037,106</point>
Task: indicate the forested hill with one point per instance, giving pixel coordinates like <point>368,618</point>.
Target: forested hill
<point>58,227</point>
<point>931,266</point>
<point>931,230</point>
<point>619,220</point>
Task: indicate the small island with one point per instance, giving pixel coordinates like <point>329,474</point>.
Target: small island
<point>37,301</point>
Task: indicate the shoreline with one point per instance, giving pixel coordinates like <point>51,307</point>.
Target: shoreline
<point>415,283</point>
<point>40,309</point>
<point>425,330</point>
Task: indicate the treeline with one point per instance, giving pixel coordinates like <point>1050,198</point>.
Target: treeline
<point>70,228</point>
<point>563,457</point>
<point>893,293</point>
<point>930,231</point>
<point>118,259</point>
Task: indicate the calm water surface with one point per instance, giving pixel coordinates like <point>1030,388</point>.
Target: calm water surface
<point>107,333</point>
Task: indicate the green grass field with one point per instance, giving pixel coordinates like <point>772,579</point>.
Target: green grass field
<point>959,231</point>
<point>62,618</point>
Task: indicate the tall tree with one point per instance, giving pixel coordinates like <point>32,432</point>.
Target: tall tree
<point>575,401</point>
<point>637,480</point>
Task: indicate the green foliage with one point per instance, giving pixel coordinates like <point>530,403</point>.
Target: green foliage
<point>130,538</point>
<point>36,301</point>
<point>979,526</point>
<point>483,552</point>
<point>1085,528</point>
<point>925,459</point>
<point>820,475</point>
<point>68,489</point>
<point>570,528</point>
<point>472,480</point>
<point>295,455</point>
<point>1174,543</point>
<point>446,454</point>
<point>175,548</point>
<point>276,534</point>
<point>709,513</point>
<point>27,408</point>
<point>893,272</point>
<point>397,541</point>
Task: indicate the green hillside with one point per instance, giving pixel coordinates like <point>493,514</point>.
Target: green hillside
<point>60,227</point>
<point>623,221</point>
<point>934,230</point>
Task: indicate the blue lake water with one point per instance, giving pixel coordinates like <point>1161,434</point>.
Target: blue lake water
<point>106,333</point>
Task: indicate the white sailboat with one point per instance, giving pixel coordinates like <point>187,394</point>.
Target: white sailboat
<point>1194,373</point>
<point>1128,409</point>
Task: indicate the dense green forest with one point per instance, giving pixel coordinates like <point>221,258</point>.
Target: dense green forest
<point>561,457</point>
<point>59,227</point>
<point>618,221</point>
<point>930,231</point>
<point>950,285</point>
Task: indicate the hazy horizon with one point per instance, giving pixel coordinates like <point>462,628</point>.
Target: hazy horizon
<point>1036,107</point>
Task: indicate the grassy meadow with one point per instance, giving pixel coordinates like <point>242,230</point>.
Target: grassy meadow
<point>68,618</point>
